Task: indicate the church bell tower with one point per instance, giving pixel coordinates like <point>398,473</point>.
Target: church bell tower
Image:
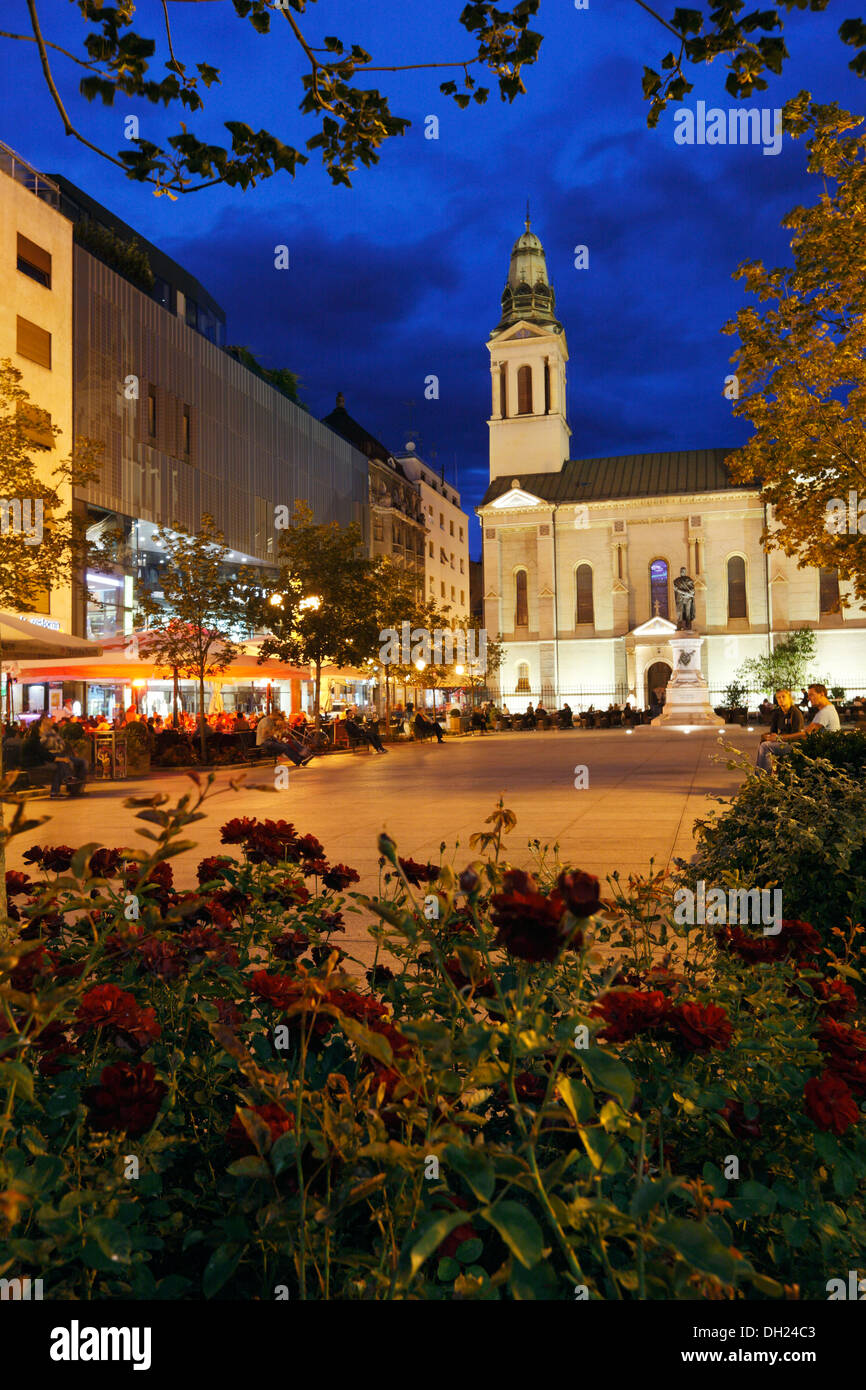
<point>528,353</point>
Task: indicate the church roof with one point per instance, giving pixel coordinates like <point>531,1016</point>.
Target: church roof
<point>528,293</point>
<point>348,428</point>
<point>626,476</point>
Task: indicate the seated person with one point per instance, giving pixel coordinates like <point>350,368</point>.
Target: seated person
<point>565,717</point>
<point>47,746</point>
<point>787,726</point>
<point>426,728</point>
<point>273,736</point>
<point>528,721</point>
<point>360,734</point>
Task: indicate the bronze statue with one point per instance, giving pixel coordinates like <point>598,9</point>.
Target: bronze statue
<point>684,597</point>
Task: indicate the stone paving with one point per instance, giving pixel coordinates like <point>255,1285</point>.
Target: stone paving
<point>645,790</point>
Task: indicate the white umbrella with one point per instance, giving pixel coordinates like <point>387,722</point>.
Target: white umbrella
<point>22,641</point>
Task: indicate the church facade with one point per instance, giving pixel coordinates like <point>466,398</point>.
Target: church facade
<point>580,555</point>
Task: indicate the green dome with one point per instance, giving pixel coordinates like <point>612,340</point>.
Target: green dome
<point>528,293</point>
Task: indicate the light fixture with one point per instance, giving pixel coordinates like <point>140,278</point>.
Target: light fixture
<point>419,665</point>
<point>313,602</point>
<point>276,600</point>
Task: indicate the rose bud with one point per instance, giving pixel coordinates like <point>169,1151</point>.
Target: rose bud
<point>579,892</point>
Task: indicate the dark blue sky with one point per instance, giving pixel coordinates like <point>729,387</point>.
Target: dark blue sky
<point>400,276</point>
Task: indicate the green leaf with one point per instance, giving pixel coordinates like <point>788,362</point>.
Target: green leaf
<point>112,1238</point>
<point>468,1251</point>
<point>220,1268</point>
<point>249,1167</point>
<point>447,1270</point>
<point>698,1246</point>
<point>433,1238</point>
<point>577,1097</point>
<point>18,1075</point>
<point>474,1168</point>
<point>376,1044</point>
<point>519,1229</point>
<point>608,1073</point>
<point>605,1154</point>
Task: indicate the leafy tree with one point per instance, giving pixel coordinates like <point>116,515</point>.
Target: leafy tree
<point>787,667</point>
<point>320,607</point>
<point>354,119</point>
<point>192,628</point>
<point>42,541</point>
<point>801,364</point>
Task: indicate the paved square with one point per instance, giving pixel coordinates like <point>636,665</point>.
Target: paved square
<point>644,792</point>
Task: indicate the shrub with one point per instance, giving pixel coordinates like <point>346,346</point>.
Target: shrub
<point>802,830</point>
<point>538,1096</point>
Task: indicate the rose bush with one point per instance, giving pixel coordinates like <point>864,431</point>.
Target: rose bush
<point>539,1091</point>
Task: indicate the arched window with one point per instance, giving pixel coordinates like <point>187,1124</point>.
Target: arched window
<point>583,612</point>
<point>523,678</point>
<point>659,588</point>
<point>829,592</point>
<point>521,600</point>
<point>737,587</point>
<point>524,390</point>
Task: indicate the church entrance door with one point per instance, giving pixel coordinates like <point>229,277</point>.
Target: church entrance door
<point>657,678</point>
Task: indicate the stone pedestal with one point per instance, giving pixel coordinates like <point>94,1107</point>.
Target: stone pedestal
<point>687,699</point>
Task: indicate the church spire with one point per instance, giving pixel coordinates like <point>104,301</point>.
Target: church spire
<point>528,293</point>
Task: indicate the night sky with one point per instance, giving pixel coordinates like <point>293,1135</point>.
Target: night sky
<point>400,276</point>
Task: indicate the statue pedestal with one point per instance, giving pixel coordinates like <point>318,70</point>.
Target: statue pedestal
<point>687,699</point>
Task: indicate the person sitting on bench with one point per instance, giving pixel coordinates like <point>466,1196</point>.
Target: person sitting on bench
<point>48,746</point>
<point>273,737</point>
<point>426,728</point>
<point>358,734</point>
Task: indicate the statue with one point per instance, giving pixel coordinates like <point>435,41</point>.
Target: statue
<point>684,597</point>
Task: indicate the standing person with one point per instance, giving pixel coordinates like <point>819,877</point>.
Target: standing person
<point>823,716</point>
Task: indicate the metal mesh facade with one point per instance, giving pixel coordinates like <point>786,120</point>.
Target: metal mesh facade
<point>139,371</point>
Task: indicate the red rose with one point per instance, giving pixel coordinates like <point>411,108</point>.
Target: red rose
<point>278,1121</point>
<point>317,867</point>
<point>104,863</point>
<point>364,1008</point>
<point>830,1103</point>
<point>236,831</point>
<point>17,883</point>
<point>309,847</point>
<point>229,1013</point>
<point>701,1027</point>
<point>35,963</point>
<point>418,873</point>
<point>846,1048</point>
<point>754,949</point>
<point>107,1006</point>
<point>162,958</point>
<point>339,876</point>
<point>734,1112</point>
<point>629,1012</point>
<point>214,867</point>
<point>527,922</point>
<point>838,995</point>
<point>290,945</point>
<point>580,892</point>
<point>127,1098</point>
<point>56,858</point>
<point>279,990</point>
<point>799,939</point>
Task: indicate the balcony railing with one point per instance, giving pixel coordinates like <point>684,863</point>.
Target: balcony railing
<point>18,169</point>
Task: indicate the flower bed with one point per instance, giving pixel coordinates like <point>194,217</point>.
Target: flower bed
<point>536,1092</point>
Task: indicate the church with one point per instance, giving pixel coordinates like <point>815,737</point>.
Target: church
<point>581,555</point>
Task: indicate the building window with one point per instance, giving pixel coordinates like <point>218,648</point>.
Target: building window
<point>547,388</point>
<point>521,600</point>
<point>828,592</point>
<point>378,528</point>
<point>524,390</point>
<point>35,424</point>
<point>736,587</point>
<point>33,261</point>
<point>432,556</point>
<point>697,557</point>
<point>452,593</point>
<point>452,559</point>
<point>619,562</point>
<point>583,608</point>
<point>442,586</point>
<point>461,566</point>
<point>452,527</point>
<point>151,414</point>
<point>523,678</point>
<point>441,522</point>
<point>33,342</point>
<point>503,395</point>
<point>462,599</point>
<point>186,430</point>
<point>461,533</point>
<point>659,588</point>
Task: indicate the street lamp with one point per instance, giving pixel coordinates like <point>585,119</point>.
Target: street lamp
<point>313,602</point>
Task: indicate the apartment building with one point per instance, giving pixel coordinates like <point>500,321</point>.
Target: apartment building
<point>446,544</point>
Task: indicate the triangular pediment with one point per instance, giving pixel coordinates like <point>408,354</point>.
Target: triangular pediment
<point>619,587</point>
<point>523,329</point>
<point>516,497</point>
<point>545,592</point>
<point>491,593</point>
<point>656,627</point>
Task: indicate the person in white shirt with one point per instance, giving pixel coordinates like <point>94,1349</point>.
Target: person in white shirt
<point>824,716</point>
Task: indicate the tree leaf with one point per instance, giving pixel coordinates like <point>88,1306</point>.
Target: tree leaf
<point>220,1268</point>
<point>608,1073</point>
<point>433,1238</point>
<point>519,1229</point>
